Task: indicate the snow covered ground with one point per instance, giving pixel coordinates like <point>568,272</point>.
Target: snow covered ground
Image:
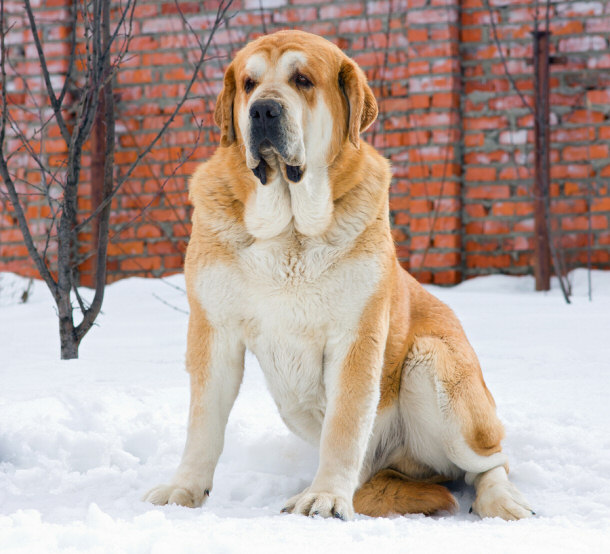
<point>81,441</point>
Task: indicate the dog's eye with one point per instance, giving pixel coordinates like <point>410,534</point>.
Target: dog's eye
<point>302,81</point>
<point>249,84</point>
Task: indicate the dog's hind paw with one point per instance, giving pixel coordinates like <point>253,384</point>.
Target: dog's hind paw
<point>498,497</point>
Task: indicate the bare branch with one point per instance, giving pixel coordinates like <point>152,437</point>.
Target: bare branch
<point>114,35</point>
<point>30,150</point>
<point>169,305</point>
<point>503,58</point>
<point>72,56</point>
<point>262,10</point>
<point>79,299</point>
<point>56,105</point>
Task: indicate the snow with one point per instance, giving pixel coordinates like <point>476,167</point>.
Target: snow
<point>81,441</point>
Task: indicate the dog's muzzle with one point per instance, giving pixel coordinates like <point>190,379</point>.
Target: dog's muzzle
<point>266,131</point>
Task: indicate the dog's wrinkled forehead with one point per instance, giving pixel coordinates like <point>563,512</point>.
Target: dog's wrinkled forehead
<point>260,67</point>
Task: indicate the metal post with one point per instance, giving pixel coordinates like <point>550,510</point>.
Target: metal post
<point>542,256</point>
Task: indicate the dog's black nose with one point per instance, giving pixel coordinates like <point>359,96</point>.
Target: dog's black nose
<point>265,110</point>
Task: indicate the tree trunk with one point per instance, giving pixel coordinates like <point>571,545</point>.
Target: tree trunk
<point>67,337</point>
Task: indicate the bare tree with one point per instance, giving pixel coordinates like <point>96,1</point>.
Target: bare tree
<point>90,116</point>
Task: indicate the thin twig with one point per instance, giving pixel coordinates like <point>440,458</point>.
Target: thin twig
<point>503,58</point>
<point>169,305</point>
<point>56,105</point>
<point>264,23</point>
<point>72,56</point>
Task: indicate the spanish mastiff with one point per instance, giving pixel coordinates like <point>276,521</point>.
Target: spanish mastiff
<point>291,257</point>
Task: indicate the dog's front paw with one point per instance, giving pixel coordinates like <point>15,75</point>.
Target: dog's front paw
<point>189,496</point>
<point>324,504</point>
<point>502,500</point>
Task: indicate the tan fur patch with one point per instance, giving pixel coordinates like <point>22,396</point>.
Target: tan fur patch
<point>391,493</point>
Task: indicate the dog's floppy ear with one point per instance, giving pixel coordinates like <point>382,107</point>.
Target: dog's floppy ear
<point>361,102</point>
<point>223,114</point>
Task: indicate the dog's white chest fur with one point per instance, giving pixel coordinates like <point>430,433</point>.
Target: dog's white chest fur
<point>290,301</point>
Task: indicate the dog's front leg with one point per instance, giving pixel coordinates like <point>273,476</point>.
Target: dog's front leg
<point>352,373</point>
<point>215,361</point>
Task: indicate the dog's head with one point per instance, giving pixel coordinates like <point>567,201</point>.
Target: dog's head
<point>293,100</point>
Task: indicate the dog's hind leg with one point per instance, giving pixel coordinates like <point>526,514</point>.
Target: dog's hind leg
<point>451,421</point>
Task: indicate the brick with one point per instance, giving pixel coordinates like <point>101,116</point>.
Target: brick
<point>572,135</point>
<point>488,191</point>
<point>421,276</point>
<point>173,263</point>
<point>140,264</point>
<point>575,223</point>
<point>566,27</point>
<point>418,67</point>
<point>118,248</point>
<point>360,25</point>
<point>417,35</point>
<point>448,277</point>
<point>474,139</point>
<point>494,122</point>
<point>601,204</point>
<point>424,17</point>
<point>488,261</point>
<point>480,174</point>
<point>483,244</point>
<point>471,35</point>
<point>584,116</point>
<point>446,241</point>
<point>584,43</point>
<point>435,259</point>
<point>438,224</point>
<point>495,227</point>
<point>599,97</point>
<point>341,11</point>
<point>445,100</point>
<point>571,171</point>
<point>497,156</point>
<point>416,101</point>
<point>582,153</point>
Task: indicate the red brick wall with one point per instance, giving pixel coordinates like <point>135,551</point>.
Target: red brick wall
<point>498,132</point>
<point>458,135</point>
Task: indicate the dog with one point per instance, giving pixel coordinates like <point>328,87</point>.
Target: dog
<point>291,256</point>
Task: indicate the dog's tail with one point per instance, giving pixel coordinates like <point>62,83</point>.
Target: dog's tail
<point>390,492</point>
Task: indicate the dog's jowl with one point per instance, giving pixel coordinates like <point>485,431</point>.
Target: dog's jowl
<point>291,257</point>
